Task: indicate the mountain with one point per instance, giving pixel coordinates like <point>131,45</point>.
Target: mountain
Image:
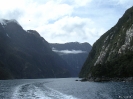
<point>73,53</point>
<point>112,54</point>
<point>25,54</point>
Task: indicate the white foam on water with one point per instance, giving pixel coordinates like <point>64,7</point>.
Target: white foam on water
<point>32,91</point>
<point>58,95</point>
<point>28,91</point>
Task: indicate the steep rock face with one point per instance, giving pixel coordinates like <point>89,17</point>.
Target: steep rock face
<point>112,47</point>
<point>25,54</point>
<point>73,53</point>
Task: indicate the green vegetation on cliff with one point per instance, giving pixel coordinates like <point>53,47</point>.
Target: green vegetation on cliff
<point>120,67</point>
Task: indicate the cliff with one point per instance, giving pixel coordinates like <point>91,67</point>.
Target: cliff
<point>112,54</point>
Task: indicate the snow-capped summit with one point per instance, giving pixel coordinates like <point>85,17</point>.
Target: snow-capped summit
<point>4,22</point>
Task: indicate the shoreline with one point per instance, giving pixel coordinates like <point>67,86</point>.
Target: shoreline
<point>107,79</point>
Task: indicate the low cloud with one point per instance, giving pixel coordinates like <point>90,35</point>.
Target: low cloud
<point>62,52</point>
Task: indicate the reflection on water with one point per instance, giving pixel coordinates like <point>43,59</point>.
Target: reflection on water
<point>64,88</point>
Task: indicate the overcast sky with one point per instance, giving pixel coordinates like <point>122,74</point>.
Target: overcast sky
<point>60,21</point>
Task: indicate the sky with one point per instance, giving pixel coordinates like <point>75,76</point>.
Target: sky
<point>61,21</point>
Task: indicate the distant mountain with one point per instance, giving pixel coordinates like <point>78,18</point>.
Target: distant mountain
<point>25,54</point>
<point>112,54</point>
<point>73,53</point>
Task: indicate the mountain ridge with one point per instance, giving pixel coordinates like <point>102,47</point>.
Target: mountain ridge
<point>74,53</point>
<point>25,54</point>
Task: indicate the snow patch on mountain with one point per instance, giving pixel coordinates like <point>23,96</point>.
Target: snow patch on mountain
<point>4,22</point>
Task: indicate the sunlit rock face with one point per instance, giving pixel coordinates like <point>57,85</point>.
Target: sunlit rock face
<point>122,49</point>
<point>115,45</point>
<point>127,44</point>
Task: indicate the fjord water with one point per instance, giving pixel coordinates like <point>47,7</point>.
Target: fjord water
<point>64,88</point>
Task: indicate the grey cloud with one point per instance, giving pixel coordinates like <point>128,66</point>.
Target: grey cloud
<point>73,27</point>
<point>15,14</point>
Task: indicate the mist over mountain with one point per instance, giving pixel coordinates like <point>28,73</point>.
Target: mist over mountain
<point>112,54</point>
<point>25,54</point>
<point>74,53</point>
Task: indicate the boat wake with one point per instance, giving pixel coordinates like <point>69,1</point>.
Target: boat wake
<point>38,91</point>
